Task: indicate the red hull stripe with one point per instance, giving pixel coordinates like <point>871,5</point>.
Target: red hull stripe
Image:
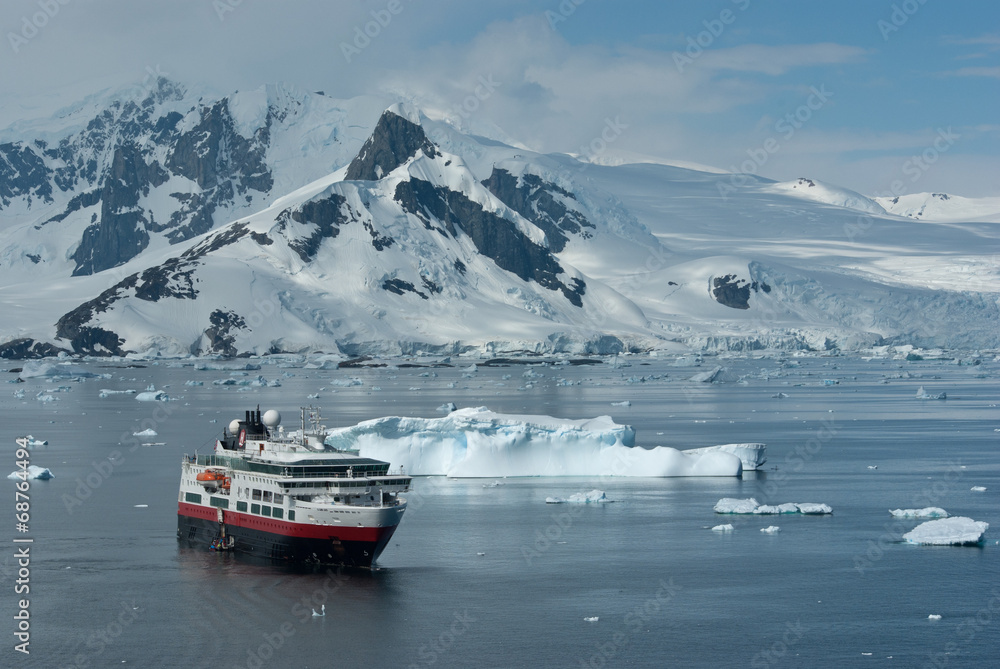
<point>283,527</point>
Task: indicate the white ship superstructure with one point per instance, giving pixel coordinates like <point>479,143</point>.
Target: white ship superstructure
<point>288,496</point>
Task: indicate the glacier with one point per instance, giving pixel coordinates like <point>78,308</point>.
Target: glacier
<point>479,443</point>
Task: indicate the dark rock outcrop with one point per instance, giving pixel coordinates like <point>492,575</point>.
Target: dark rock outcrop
<point>539,202</point>
<point>495,237</point>
<point>734,292</point>
<point>394,141</point>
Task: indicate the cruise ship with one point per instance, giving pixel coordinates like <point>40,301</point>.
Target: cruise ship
<point>288,497</point>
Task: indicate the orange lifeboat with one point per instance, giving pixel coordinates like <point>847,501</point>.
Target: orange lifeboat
<point>211,478</point>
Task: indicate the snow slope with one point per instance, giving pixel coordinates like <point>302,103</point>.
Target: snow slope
<point>395,233</point>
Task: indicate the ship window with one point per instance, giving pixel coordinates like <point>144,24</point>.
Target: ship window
<point>256,494</point>
<point>267,496</point>
<point>220,502</point>
<point>265,511</point>
<point>255,508</point>
<point>291,515</point>
<point>278,498</point>
<point>192,497</point>
<point>277,512</point>
<point>241,506</point>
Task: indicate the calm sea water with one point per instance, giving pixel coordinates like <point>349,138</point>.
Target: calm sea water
<point>491,576</point>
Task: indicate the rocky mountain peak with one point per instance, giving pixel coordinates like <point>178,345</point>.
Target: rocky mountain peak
<point>394,141</point>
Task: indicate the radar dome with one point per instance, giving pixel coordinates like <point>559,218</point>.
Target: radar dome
<point>234,426</point>
<point>271,418</point>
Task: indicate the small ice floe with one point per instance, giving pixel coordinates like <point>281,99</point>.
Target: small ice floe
<point>194,383</point>
<point>810,509</point>
<point>152,396</point>
<point>768,509</point>
<point>978,488</point>
<point>623,403</point>
<point>707,377</point>
<point>447,407</point>
<point>592,619</point>
<point>750,505</point>
<point>723,528</point>
<point>872,466</point>
<point>955,531</point>
<point>779,396</point>
<point>770,529</point>
<point>32,442</point>
<point>33,472</point>
<point>314,396</point>
<point>592,497</point>
<point>934,616</point>
<point>731,505</point>
<point>494,484</point>
<point>480,554</point>
<point>924,395</point>
<point>140,506</point>
<point>320,615</point>
<point>148,432</point>
<point>107,392</point>
<point>928,512</point>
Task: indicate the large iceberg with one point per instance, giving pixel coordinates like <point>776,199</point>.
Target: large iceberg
<point>478,443</point>
<point>752,455</point>
<point>955,531</point>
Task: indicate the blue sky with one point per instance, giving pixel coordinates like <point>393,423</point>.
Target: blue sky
<point>908,101</point>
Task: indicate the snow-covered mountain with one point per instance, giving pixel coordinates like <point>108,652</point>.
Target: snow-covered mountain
<point>942,207</point>
<point>278,220</point>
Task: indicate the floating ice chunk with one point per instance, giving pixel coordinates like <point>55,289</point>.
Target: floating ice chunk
<point>105,392</point>
<point>723,528</point>
<point>924,395</point>
<point>770,529</point>
<point>592,497</point>
<point>148,432</point>
<point>978,488</point>
<point>707,377</point>
<point>346,383</point>
<point>747,506</point>
<point>623,403</point>
<point>43,397</point>
<point>194,383</point>
<point>766,509</point>
<point>494,484</point>
<point>751,455</point>
<point>872,466</point>
<point>39,368</point>
<point>809,509</point>
<point>928,512</point>
<point>33,472</point>
<point>448,407</point>
<point>141,506</point>
<point>955,531</point>
<point>478,443</point>
<point>934,616</point>
<point>731,505</point>
<point>592,619</point>
<point>152,396</point>
<point>19,394</point>
<point>31,441</point>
